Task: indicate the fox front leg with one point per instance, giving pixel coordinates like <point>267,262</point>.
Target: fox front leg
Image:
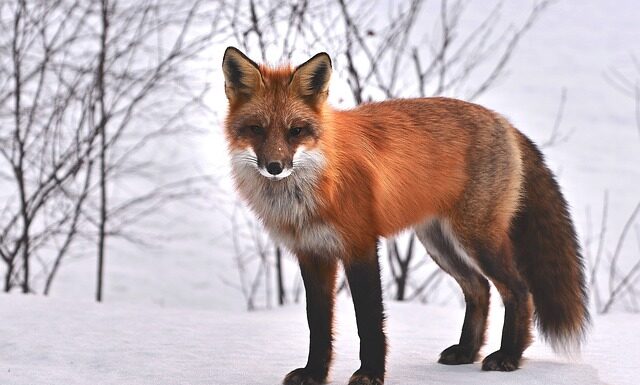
<point>363,275</point>
<point>319,277</point>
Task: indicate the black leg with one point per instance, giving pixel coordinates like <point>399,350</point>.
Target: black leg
<point>439,244</point>
<point>319,276</point>
<point>516,334</point>
<point>364,282</point>
<point>476,294</point>
<point>516,331</point>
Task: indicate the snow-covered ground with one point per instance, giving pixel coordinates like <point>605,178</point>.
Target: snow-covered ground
<point>56,341</point>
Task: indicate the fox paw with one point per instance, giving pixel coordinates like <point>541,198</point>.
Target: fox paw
<point>361,377</point>
<point>457,355</point>
<point>500,361</point>
<point>301,376</point>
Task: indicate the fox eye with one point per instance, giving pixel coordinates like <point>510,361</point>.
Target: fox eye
<point>295,131</point>
<point>256,130</point>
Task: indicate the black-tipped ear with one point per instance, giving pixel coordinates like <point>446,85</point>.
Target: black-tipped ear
<point>242,76</point>
<point>311,79</point>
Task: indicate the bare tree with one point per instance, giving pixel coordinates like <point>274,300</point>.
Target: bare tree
<point>45,84</point>
<point>129,85</point>
<point>557,136</point>
<point>624,283</point>
<point>86,89</point>
<point>456,62</point>
<point>252,249</point>
<point>101,128</point>
<point>620,282</point>
<point>400,266</point>
<point>282,294</point>
<point>627,84</point>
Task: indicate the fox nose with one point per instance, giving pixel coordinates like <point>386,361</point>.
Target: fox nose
<point>274,168</point>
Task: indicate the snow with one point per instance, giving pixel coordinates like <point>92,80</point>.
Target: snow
<point>57,341</point>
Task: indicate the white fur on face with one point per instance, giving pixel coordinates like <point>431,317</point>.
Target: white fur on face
<point>289,200</point>
<point>311,160</point>
<point>304,162</point>
<point>303,159</point>
<point>285,173</point>
<point>244,160</point>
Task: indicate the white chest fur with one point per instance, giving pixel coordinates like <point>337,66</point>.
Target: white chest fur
<point>317,238</point>
<point>288,207</point>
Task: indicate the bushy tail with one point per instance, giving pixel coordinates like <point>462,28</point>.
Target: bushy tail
<point>548,255</point>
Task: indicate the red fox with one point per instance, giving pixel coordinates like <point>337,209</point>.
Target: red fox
<point>328,184</point>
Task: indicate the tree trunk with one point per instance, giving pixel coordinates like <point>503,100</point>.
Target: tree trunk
<point>103,151</point>
<point>281,293</point>
<point>7,278</point>
<point>19,167</point>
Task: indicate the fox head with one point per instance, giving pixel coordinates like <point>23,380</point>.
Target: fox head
<point>274,126</point>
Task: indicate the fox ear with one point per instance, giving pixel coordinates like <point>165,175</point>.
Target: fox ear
<point>242,76</point>
<point>310,80</point>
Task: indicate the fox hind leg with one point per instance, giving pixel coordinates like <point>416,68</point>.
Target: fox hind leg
<point>500,267</point>
<point>448,254</point>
